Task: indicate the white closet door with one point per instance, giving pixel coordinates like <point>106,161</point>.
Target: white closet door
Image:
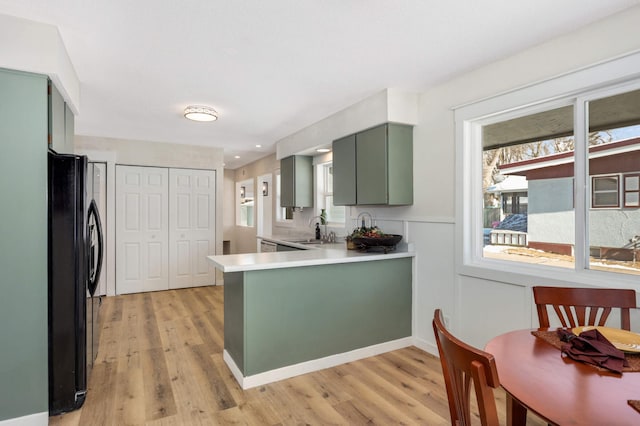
<point>191,227</point>
<point>141,229</point>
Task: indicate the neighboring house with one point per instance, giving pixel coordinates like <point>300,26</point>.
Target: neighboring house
<point>506,218</point>
<point>614,213</point>
<point>510,195</point>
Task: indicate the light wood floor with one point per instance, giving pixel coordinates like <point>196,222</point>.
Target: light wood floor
<point>160,363</point>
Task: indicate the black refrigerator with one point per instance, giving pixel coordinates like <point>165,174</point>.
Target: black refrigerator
<point>74,261</point>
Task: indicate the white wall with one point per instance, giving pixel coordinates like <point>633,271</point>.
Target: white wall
<point>480,308</point>
<point>388,105</point>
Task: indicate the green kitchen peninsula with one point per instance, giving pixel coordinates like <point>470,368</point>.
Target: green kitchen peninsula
<point>290,313</point>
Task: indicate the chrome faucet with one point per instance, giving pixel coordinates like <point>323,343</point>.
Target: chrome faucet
<point>325,237</point>
<point>362,216</point>
<point>315,217</point>
<point>311,221</point>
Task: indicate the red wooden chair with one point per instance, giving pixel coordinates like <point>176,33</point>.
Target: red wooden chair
<point>462,364</point>
<point>572,305</point>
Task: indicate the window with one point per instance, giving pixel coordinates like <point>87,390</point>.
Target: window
<point>551,184</point>
<point>632,190</point>
<point>283,214</point>
<point>527,170</point>
<point>335,214</point>
<point>605,191</point>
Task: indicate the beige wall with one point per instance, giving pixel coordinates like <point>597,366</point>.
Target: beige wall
<point>143,153</point>
<point>228,209</point>
<point>245,237</point>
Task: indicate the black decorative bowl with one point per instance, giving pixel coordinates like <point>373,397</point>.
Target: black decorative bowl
<point>388,240</point>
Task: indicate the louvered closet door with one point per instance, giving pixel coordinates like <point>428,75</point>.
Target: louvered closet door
<point>141,229</point>
<point>191,227</point>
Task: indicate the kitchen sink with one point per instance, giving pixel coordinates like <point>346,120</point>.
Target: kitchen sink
<point>305,241</point>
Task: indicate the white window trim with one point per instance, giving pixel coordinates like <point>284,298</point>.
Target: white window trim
<point>580,87</point>
<point>319,164</point>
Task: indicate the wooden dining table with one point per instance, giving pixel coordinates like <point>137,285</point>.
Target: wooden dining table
<point>537,377</point>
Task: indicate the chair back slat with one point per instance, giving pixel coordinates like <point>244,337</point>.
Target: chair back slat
<point>465,368</point>
<point>571,305</point>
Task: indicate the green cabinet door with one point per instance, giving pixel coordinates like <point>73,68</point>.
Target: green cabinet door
<point>56,120</point>
<point>296,181</point>
<point>287,184</point>
<point>23,246</point>
<point>344,171</point>
<point>61,123</point>
<point>374,167</point>
<point>400,164</point>
<point>371,166</point>
<point>69,129</point>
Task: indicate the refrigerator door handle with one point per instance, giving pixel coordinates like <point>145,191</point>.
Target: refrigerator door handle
<point>95,276</point>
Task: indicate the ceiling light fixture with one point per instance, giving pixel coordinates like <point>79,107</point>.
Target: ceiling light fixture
<point>200,113</point>
<point>323,150</point>
<point>258,146</point>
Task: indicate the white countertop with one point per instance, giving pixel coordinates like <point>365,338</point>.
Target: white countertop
<point>325,254</point>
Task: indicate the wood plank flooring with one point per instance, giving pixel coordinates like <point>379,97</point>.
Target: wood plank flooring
<point>160,363</point>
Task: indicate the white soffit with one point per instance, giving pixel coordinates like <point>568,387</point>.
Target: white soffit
<point>38,48</point>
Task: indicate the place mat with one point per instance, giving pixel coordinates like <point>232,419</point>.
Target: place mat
<point>634,403</point>
<point>551,337</point>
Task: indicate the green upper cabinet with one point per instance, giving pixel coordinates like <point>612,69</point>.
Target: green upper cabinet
<point>374,167</point>
<point>296,181</point>
<point>61,123</point>
<point>344,171</point>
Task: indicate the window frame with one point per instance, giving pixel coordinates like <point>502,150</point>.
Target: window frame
<point>576,88</point>
<point>280,212</point>
<point>626,191</point>
<point>595,192</point>
<point>323,189</point>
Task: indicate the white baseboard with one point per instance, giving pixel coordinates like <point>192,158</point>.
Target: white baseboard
<point>313,365</point>
<point>426,346</point>
<point>38,419</point>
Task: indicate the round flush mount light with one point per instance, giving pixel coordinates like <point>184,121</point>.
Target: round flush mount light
<point>323,150</point>
<point>200,113</point>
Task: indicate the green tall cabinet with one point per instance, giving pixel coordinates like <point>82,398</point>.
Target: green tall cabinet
<point>374,167</point>
<point>23,246</point>
<point>61,123</point>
